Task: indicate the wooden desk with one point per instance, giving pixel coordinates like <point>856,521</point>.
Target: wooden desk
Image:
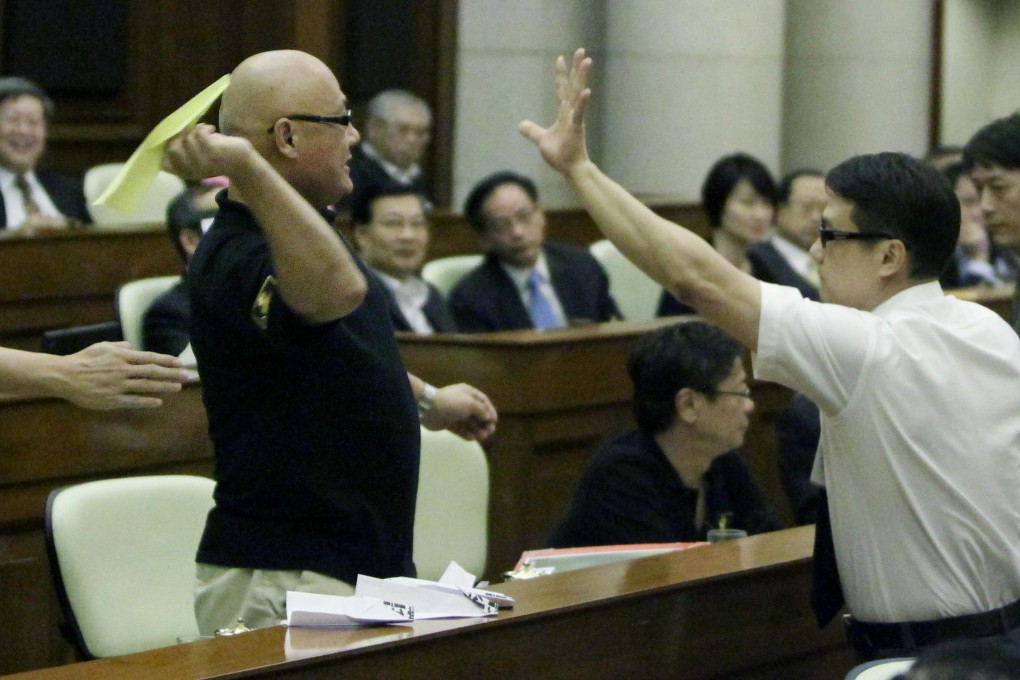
<point>69,278</point>
<point>45,444</point>
<point>560,395</point>
<point>732,610</point>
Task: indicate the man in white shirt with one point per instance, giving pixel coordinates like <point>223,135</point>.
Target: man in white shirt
<point>920,444</point>
<point>784,259</point>
<point>391,232</point>
<point>32,199</point>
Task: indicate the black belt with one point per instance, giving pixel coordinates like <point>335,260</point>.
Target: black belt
<point>869,638</point>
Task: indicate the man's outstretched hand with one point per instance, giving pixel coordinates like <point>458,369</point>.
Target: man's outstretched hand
<point>562,144</point>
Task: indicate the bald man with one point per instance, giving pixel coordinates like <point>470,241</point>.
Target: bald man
<point>314,420</point>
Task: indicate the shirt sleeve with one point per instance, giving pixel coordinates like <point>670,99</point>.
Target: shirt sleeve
<point>820,350</point>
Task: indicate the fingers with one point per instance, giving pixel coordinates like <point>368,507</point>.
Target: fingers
<point>531,131</point>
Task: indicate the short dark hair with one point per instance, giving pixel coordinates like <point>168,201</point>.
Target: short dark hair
<point>785,187</point>
<point>896,194</point>
<point>183,214</point>
<point>481,191</point>
<point>692,354</point>
<point>725,174</point>
<point>16,86</point>
<point>362,201</point>
<point>954,171</point>
<point>997,143</point>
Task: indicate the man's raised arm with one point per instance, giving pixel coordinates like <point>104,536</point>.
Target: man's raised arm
<point>685,265</point>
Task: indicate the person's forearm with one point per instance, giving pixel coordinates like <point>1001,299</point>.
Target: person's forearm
<point>674,256</point>
<point>316,275</point>
<point>27,374</point>
<point>684,263</point>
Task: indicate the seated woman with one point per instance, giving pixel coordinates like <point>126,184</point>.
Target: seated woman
<point>679,475</point>
<point>739,196</point>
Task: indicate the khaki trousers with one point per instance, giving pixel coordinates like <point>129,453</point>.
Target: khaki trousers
<point>256,596</point>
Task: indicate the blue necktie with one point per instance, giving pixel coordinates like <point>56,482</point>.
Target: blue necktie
<point>542,312</point>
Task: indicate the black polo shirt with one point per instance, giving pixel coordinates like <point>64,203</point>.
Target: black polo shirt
<point>630,493</point>
<point>315,428</point>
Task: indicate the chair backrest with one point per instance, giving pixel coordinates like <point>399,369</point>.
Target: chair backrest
<point>636,294</point>
<point>152,207</point>
<point>883,669</point>
<point>451,516</point>
<point>134,299</point>
<point>445,272</point>
<point>64,341</point>
<point>122,553</point>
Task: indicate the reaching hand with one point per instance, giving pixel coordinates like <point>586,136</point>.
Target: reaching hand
<point>562,145</point>
<point>463,410</point>
<point>111,375</point>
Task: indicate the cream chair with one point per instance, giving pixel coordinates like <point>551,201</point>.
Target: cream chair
<point>445,272</point>
<point>122,553</point>
<point>152,207</point>
<point>883,669</point>
<point>636,294</point>
<point>451,515</point>
<point>134,299</point>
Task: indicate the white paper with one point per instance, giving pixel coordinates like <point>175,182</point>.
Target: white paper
<point>314,610</point>
<point>426,602</point>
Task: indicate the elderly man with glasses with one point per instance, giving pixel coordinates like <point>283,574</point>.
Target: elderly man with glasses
<point>918,391</point>
<point>313,418</point>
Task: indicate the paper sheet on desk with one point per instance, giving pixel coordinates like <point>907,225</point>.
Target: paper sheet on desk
<point>319,611</point>
<point>131,183</point>
<point>426,603</point>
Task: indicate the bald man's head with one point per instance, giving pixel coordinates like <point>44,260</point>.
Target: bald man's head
<point>264,91</point>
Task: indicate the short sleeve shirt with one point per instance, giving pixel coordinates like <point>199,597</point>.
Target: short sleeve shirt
<point>920,444</point>
<point>315,427</point>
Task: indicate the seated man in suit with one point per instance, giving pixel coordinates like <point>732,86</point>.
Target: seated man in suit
<point>784,258</point>
<point>32,199</point>
<point>392,235</point>
<point>166,325</point>
<point>525,282</point>
<point>680,474</point>
<point>397,132</point>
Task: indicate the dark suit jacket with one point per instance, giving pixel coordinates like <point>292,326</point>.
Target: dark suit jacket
<point>437,312</point>
<point>486,299</point>
<point>367,174</point>
<point>769,265</point>
<point>167,322</point>
<point>66,192</point>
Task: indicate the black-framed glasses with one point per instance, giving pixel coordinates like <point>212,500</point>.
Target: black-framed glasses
<point>343,120</point>
<point>746,394</point>
<point>825,235</point>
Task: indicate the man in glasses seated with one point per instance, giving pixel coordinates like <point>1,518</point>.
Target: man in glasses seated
<point>680,474</point>
<point>314,420</point>
<point>525,281</point>
<point>918,391</point>
<point>397,133</point>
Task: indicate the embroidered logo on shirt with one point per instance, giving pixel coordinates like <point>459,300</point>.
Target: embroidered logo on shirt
<point>260,310</point>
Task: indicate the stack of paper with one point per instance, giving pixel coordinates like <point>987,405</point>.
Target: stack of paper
<point>396,600</point>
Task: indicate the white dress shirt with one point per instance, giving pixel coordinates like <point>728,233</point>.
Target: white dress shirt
<point>14,202</point>
<point>411,295</point>
<point>920,445</point>
<point>519,275</point>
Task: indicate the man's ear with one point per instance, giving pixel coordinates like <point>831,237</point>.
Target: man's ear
<point>895,258</point>
<point>686,403</point>
<point>358,234</point>
<point>283,137</point>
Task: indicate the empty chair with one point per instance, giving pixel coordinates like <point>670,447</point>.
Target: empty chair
<point>883,669</point>
<point>122,552</point>
<point>452,510</point>
<point>134,299</point>
<point>445,272</point>
<point>152,207</point>
<point>636,294</point>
